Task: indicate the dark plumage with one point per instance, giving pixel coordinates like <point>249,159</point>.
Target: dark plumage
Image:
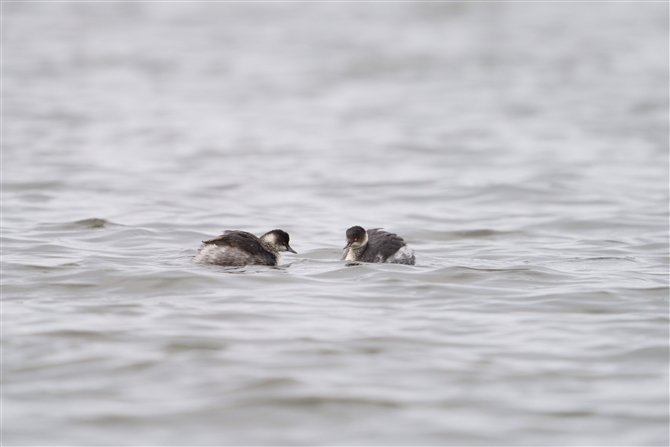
<point>237,248</point>
<point>376,245</point>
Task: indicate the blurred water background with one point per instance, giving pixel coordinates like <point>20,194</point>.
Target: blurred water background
<point>520,148</point>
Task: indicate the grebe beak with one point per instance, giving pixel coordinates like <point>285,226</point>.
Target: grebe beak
<point>348,245</point>
<point>288,247</point>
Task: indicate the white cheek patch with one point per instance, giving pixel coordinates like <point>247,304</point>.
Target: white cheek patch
<point>357,245</point>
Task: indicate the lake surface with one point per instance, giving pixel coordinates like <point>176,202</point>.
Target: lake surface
<point>521,149</point>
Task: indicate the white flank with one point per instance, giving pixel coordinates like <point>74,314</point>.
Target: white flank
<point>209,254</point>
<point>402,254</point>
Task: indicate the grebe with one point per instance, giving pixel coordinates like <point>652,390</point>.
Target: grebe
<point>376,245</point>
<point>237,248</point>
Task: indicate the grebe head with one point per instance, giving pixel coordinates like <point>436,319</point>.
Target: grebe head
<point>357,237</point>
<point>278,239</point>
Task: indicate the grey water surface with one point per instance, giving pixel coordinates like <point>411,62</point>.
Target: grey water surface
<point>520,148</point>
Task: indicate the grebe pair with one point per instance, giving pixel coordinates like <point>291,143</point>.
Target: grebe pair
<point>237,248</point>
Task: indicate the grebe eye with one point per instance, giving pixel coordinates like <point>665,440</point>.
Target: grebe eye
<point>355,239</point>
